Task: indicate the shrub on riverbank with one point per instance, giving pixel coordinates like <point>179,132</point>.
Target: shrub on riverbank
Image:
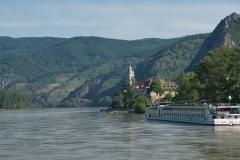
<point>14,100</point>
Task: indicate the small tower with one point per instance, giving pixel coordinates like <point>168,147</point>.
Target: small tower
<point>131,74</point>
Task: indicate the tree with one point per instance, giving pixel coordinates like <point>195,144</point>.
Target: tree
<point>140,103</point>
<point>187,87</point>
<point>219,74</point>
<point>117,101</point>
<point>168,97</point>
<point>7,103</point>
<point>128,95</point>
<point>156,87</point>
<point>14,100</point>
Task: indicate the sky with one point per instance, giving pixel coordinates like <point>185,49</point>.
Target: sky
<point>116,19</point>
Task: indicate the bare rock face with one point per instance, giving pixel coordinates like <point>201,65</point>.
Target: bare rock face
<point>85,89</point>
<point>219,37</point>
<point>228,41</point>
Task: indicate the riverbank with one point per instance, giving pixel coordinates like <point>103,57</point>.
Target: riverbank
<point>11,109</point>
<point>116,111</point>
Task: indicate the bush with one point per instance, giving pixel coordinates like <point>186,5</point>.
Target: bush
<point>140,107</point>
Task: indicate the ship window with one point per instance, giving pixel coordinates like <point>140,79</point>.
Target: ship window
<point>234,110</point>
<point>235,116</point>
<point>224,109</point>
<point>213,117</point>
<point>222,117</point>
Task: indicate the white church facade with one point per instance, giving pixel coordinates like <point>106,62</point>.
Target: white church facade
<point>131,74</point>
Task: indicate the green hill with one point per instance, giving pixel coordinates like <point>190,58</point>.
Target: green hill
<point>27,45</point>
<point>87,66</point>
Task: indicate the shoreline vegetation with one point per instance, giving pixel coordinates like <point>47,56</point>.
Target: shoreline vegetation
<point>14,100</point>
<point>129,101</point>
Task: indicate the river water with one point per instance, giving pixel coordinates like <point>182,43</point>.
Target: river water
<point>87,133</point>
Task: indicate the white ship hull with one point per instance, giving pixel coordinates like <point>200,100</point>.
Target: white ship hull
<point>206,114</point>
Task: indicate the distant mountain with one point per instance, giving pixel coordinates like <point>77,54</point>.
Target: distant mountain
<point>169,62</point>
<point>226,33</point>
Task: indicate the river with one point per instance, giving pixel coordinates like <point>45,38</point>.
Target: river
<point>87,133</point>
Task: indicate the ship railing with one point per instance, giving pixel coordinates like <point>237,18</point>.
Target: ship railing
<point>225,104</point>
<point>227,112</point>
<point>191,103</point>
<point>187,104</point>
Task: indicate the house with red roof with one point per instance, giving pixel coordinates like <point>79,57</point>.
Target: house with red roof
<point>142,86</point>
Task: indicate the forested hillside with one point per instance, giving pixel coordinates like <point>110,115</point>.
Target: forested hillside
<point>169,62</point>
<point>16,46</point>
<point>83,67</point>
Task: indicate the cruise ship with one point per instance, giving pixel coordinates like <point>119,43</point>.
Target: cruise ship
<point>202,113</point>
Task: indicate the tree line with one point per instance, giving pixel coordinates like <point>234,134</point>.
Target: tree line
<point>14,100</point>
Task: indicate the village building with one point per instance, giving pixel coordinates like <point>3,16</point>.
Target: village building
<point>142,86</point>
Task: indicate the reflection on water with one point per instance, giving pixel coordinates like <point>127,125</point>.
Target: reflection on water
<point>86,133</point>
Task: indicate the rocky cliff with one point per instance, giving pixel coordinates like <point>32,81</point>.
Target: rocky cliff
<point>224,34</point>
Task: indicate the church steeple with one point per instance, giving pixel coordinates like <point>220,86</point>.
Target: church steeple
<point>131,74</point>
